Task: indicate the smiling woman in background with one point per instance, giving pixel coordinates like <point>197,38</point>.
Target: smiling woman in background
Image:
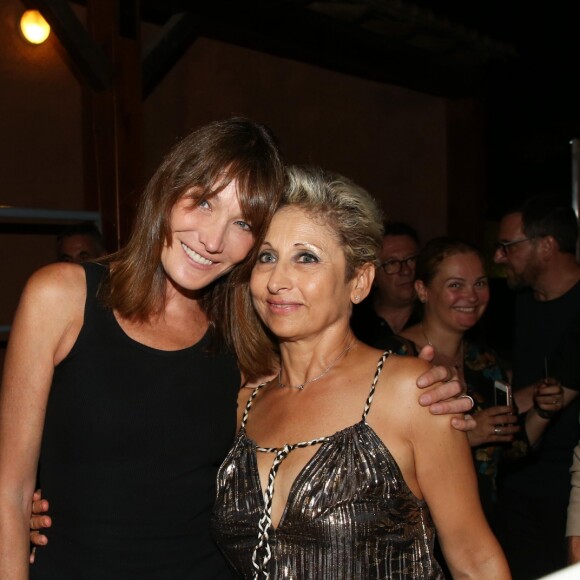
<point>452,286</point>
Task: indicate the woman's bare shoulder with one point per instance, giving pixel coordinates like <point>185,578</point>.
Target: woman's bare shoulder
<point>406,368</point>
<point>49,315</point>
<point>56,293</point>
<point>57,279</point>
<point>398,382</point>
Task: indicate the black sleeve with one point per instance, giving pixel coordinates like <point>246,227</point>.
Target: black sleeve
<point>565,363</point>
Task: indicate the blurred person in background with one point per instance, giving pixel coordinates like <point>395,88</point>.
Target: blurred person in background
<point>452,287</point>
<point>391,306</point>
<point>537,246</point>
<point>80,242</point>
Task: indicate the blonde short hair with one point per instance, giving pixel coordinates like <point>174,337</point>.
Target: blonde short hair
<point>350,213</point>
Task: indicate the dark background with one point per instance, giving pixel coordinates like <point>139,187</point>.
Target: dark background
<point>528,86</point>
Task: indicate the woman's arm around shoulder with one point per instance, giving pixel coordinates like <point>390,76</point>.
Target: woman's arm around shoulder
<point>47,320</point>
<point>443,474</point>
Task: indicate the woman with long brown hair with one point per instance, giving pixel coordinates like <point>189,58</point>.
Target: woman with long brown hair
<point>117,379</point>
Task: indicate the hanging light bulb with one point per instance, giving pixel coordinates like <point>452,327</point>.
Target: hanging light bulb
<point>34,27</point>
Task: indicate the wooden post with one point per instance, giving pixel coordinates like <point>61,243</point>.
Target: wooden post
<point>113,119</point>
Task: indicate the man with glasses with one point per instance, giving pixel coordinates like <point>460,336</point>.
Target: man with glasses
<point>391,306</point>
<point>537,246</point>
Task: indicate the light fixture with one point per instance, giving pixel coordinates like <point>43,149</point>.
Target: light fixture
<point>34,27</point>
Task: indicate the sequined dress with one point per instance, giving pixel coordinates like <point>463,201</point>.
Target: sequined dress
<point>349,514</point>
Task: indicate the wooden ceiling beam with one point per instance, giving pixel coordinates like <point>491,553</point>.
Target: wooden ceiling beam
<point>178,34</point>
<point>87,56</point>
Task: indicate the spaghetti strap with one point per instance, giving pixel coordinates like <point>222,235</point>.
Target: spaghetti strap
<point>369,400</point>
<point>249,404</point>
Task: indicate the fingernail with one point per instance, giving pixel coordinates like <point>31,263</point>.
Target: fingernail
<point>424,400</point>
<point>435,409</point>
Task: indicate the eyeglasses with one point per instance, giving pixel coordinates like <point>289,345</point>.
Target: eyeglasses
<point>503,246</point>
<point>395,266</point>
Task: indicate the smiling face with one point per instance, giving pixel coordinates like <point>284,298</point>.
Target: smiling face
<point>458,294</point>
<point>298,285</point>
<point>208,239</point>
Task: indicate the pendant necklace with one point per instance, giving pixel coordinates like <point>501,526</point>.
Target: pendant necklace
<point>322,374</point>
<point>457,362</point>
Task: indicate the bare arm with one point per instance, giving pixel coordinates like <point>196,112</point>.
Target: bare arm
<point>573,523</point>
<point>37,341</point>
<point>445,475</point>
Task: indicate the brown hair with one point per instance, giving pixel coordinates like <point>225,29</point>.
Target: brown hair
<point>206,160</point>
<point>542,216</point>
<point>437,250</point>
<point>353,216</point>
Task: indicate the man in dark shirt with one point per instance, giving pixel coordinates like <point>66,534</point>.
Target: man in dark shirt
<point>392,304</point>
<point>537,246</point>
<point>567,366</point>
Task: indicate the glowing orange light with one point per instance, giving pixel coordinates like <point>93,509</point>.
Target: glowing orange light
<point>34,27</point>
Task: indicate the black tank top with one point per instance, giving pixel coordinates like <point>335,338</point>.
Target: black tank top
<point>132,442</point>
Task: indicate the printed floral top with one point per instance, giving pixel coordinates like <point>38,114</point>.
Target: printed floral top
<point>481,369</point>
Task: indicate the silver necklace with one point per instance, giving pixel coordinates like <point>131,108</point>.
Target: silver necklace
<point>323,373</point>
<point>458,361</point>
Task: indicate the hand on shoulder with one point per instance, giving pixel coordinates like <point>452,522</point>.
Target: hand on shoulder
<point>405,370</point>
<point>403,374</point>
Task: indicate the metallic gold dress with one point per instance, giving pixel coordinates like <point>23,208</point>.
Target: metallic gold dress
<point>349,515</point>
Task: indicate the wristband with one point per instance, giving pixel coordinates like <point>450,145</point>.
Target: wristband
<point>544,413</point>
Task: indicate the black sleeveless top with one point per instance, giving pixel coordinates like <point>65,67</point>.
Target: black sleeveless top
<point>132,442</point>
<point>350,514</point>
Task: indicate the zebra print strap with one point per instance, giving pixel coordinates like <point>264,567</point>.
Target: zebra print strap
<point>369,400</point>
<point>263,552</point>
<point>249,404</point>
